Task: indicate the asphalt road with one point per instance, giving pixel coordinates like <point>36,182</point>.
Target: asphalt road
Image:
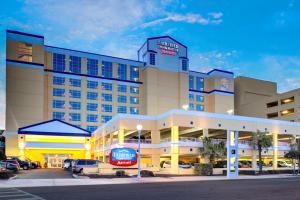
<point>44,174</point>
<point>273,189</point>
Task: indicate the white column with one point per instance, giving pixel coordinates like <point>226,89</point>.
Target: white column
<point>275,150</point>
<point>254,159</point>
<point>232,154</point>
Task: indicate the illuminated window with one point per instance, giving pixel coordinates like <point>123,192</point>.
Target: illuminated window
<point>287,112</point>
<point>58,80</point>
<point>58,115</point>
<point>58,104</point>
<point>92,95</point>
<point>91,128</point>
<point>191,82</point>
<point>92,107</point>
<point>134,100</point>
<point>134,110</point>
<point>107,86</point>
<point>92,84</point>
<point>152,59</point>
<point>91,118</point>
<point>122,71</point>
<point>191,97</point>
<point>134,73</point>
<point>199,107</point>
<point>122,88</point>
<point>122,99</point>
<point>25,52</point>
<point>107,97</point>
<point>191,106</point>
<point>75,117</point>
<point>287,100</point>
<point>57,92</point>
<point>199,98</point>
<point>122,109</point>
<point>106,108</point>
<point>75,64</point>
<point>75,82</point>
<point>92,67</point>
<point>75,105</point>
<point>75,94</point>
<point>59,62</point>
<point>105,118</point>
<point>199,83</point>
<point>134,90</point>
<point>107,69</point>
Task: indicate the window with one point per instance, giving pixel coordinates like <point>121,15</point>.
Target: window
<point>58,115</point>
<point>107,86</point>
<point>191,106</point>
<point>92,95</point>
<point>272,104</point>
<point>75,94</point>
<point>91,118</point>
<point>59,62</point>
<point>272,115</point>
<point>191,97</point>
<point>134,90</point>
<point>199,98</point>
<point>184,65</point>
<point>122,109</point>
<point>122,88</point>
<point>122,71</point>
<point>75,64</point>
<point>134,110</point>
<point>106,108</point>
<point>152,59</point>
<point>199,107</point>
<point>199,83</point>
<point>134,73</point>
<point>91,128</point>
<point>57,92</point>
<point>287,100</point>
<point>107,97</point>
<point>134,100</point>
<point>105,118</point>
<point>58,104</point>
<point>92,67</point>
<point>75,105</point>
<point>287,112</point>
<point>191,82</point>
<point>107,69</point>
<point>75,117</point>
<point>58,80</point>
<point>122,99</point>
<point>92,84</point>
<point>25,52</point>
<point>92,107</point>
<point>75,82</point>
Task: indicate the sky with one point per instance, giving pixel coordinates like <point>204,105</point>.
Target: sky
<point>254,38</point>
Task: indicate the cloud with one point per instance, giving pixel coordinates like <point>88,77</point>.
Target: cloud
<point>216,15</point>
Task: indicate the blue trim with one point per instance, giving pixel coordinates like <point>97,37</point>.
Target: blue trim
<point>197,72</point>
<point>22,33</point>
<point>219,70</point>
<point>151,51</point>
<point>182,57</point>
<point>212,91</point>
<point>92,76</point>
<point>55,134</point>
<point>23,62</point>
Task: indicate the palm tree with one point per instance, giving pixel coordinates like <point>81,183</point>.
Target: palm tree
<point>261,140</point>
<point>212,149</point>
<point>294,153</point>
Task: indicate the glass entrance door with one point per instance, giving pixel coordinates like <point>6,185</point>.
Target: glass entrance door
<point>56,161</point>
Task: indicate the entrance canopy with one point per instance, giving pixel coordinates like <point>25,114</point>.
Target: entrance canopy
<point>55,128</point>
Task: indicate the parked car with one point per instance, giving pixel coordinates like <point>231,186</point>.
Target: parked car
<point>12,165</point>
<point>23,164</point>
<point>244,164</point>
<point>220,164</point>
<point>34,164</point>
<point>181,164</point>
<point>81,165</point>
<point>281,163</point>
<point>68,164</point>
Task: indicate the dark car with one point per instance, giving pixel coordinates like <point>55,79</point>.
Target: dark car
<point>220,164</point>
<point>68,164</point>
<point>12,165</point>
<point>23,164</point>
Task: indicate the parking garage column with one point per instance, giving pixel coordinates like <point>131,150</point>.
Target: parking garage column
<point>121,136</point>
<point>275,150</point>
<point>155,157</point>
<point>254,159</point>
<point>174,149</point>
<point>103,148</point>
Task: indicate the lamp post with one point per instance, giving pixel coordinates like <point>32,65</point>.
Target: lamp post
<point>139,127</point>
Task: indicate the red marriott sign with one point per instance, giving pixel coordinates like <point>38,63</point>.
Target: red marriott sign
<point>168,48</point>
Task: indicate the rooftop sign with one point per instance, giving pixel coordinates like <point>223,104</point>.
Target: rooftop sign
<point>168,47</point>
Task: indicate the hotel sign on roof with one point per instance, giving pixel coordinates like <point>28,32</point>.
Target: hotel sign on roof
<point>168,47</point>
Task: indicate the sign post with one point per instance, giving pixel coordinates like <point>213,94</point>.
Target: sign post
<point>139,127</point>
<point>232,154</point>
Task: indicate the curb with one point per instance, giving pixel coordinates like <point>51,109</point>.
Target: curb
<point>80,177</point>
<point>13,177</point>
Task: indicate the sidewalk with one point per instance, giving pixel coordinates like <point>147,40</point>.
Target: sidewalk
<point>106,181</point>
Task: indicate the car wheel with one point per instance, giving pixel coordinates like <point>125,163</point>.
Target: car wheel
<point>25,167</point>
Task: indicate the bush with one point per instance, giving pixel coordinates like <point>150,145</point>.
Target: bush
<point>203,169</point>
<point>147,173</point>
<point>5,174</point>
<point>120,173</point>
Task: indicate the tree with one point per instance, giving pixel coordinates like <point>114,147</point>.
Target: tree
<point>212,149</point>
<point>294,153</point>
<point>261,140</point>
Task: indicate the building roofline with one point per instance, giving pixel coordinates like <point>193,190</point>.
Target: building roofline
<point>22,33</point>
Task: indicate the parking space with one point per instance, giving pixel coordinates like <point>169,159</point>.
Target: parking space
<point>44,174</point>
<point>14,193</point>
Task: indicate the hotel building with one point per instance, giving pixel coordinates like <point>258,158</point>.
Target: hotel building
<point>56,97</point>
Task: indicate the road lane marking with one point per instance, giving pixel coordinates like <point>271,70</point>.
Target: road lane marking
<point>17,194</point>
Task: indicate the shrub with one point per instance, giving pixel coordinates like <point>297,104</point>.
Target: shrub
<point>203,169</point>
<point>147,173</point>
<point>120,173</point>
<point>5,174</point>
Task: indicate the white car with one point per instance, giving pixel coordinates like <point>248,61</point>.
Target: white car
<point>167,164</point>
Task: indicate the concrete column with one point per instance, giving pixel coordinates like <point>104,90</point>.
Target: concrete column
<point>121,136</point>
<point>103,150</point>
<point>232,154</point>
<point>21,145</point>
<point>87,146</point>
<point>275,150</point>
<point>174,149</point>
<point>155,157</point>
<point>254,159</point>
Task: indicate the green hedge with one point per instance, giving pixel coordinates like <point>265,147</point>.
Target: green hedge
<point>203,169</point>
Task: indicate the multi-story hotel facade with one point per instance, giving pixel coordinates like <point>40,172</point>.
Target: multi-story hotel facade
<point>57,97</point>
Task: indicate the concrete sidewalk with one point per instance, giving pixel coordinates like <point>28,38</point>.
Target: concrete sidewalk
<point>107,181</point>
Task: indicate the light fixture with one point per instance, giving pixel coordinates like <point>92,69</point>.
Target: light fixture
<point>139,127</point>
<point>230,112</point>
<point>185,107</point>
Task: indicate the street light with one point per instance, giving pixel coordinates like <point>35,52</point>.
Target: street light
<point>139,127</point>
<point>185,107</point>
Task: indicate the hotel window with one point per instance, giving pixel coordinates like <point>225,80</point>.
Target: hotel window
<point>191,97</point>
<point>92,95</point>
<point>75,105</point>
<point>91,128</point>
<point>58,115</point>
<point>58,80</point>
<point>59,62</point>
<point>107,97</point>
<point>199,107</point>
<point>199,98</point>
<point>92,67</point>
<point>287,112</point>
<point>199,83</point>
<point>272,104</point>
<point>92,107</point>
<point>134,90</point>
<point>191,82</point>
<point>107,69</point>
<point>122,99</point>
<point>134,110</point>
<point>91,118</point>
<point>92,84</point>
<point>105,118</point>
<point>184,65</point>
<point>134,100</point>
<point>134,73</point>
<point>107,86</point>
<point>75,82</point>
<point>122,71</point>
<point>122,88</point>
<point>191,106</point>
<point>57,92</point>
<point>272,115</point>
<point>75,94</point>
<point>75,117</point>
<point>25,52</point>
<point>58,104</point>
<point>75,64</point>
<point>106,108</point>
<point>287,100</point>
<point>122,109</point>
<point>152,59</point>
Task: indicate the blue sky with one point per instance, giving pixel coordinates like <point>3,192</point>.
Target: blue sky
<point>253,38</point>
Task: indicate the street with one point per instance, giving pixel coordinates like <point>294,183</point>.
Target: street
<point>263,189</point>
